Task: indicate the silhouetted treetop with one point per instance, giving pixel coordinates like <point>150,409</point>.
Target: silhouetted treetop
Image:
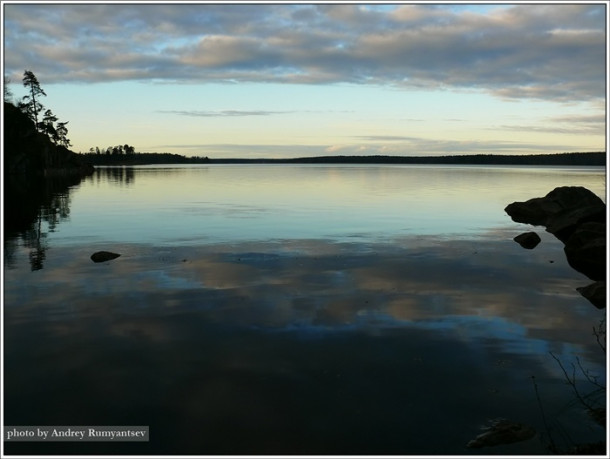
<point>125,155</point>
<point>31,105</point>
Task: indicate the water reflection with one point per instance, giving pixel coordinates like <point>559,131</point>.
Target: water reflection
<point>252,348</point>
<point>222,203</point>
<point>403,344</point>
<point>33,208</point>
<point>113,175</point>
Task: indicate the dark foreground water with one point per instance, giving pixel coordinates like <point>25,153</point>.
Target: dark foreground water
<point>299,310</point>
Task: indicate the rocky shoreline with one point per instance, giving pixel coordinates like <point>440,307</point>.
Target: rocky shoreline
<point>577,217</point>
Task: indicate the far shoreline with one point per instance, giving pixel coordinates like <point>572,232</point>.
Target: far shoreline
<point>558,159</point>
<point>555,159</point>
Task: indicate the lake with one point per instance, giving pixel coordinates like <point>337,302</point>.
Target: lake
<point>297,309</point>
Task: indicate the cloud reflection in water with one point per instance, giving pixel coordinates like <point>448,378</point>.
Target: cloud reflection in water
<point>297,346</point>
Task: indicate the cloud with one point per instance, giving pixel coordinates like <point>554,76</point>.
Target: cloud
<point>242,150</point>
<point>222,113</point>
<point>575,124</point>
<point>420,146</point>
<point>386,138</point>
<point>225,113</point>
<point>370,145</point>
<point>554,52</point>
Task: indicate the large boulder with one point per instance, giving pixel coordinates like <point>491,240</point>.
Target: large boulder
<point>563,224</point>
<point>535,211</point>
<point>561,210</point>
<point>577,217</point>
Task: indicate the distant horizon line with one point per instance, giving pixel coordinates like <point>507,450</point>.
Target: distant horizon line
<point>370,156</point>
<point>418,156</point>
<point>598,158</point>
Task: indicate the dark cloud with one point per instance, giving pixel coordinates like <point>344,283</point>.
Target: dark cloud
<point>526,51</point>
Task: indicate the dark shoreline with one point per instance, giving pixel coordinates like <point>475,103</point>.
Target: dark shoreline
<point>559,159</point>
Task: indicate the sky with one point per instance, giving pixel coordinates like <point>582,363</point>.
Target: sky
<point>310,79</point>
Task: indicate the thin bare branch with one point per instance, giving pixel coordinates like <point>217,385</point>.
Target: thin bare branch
<point>572,381</point>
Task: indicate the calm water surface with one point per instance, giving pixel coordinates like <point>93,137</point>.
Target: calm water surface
<point>278,309</point>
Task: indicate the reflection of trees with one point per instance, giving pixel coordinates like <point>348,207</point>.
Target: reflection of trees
<point>113,175</point>
<point>33,206</point>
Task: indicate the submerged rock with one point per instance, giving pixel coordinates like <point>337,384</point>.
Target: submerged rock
<point>99,257</point>
<point>527,240</point>
<point>502,431</point>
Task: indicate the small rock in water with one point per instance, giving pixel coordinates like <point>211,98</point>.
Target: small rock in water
<point>99,257</point>
<point>527,240</point>
<point>502,431</point>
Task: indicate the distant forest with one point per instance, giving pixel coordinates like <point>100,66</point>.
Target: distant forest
<point>124,155</point>
<point>558,159</point>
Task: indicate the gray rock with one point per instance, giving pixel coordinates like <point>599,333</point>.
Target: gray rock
<point>99,257</point>
<point>595,293</point>
<point>527,240</point>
